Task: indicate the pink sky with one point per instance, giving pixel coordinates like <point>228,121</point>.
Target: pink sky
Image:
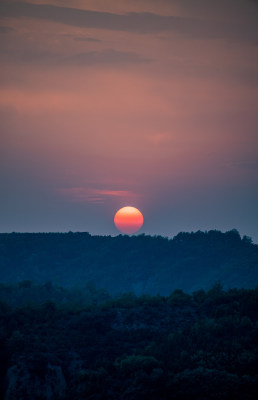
<point>111,103</point>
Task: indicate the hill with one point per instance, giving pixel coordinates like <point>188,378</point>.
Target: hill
<point>201,346</point>
<point>142,264</point>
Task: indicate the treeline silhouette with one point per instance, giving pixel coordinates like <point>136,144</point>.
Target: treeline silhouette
<point>58,343</point>
<point>142,264</point>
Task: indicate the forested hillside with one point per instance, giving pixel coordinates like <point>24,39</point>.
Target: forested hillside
<point>142,264</point>
<point>200,346</point>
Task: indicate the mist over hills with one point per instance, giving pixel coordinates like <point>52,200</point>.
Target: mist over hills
<point>142,264</point>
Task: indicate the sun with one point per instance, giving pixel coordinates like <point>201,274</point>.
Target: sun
<point>128,220</point>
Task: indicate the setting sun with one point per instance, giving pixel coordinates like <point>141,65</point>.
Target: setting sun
<point>128,220</point>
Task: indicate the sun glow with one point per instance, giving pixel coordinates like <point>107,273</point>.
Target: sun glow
<point>128,220</point>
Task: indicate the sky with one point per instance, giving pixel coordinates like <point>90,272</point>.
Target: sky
<point>144,103</point>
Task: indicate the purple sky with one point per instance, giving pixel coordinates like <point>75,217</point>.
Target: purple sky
<point>145,103</point>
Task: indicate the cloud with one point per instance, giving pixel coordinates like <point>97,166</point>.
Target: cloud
<point>96,196</point>
<point>141,22</point>
<point>107,57</point>
<point>6,29</point>
<point>251,165</point>
<point>159,138</point>
<point>86,39</point>
<point>134,22</point>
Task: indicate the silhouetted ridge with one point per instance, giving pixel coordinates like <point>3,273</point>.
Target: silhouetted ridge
<point>143,264</point>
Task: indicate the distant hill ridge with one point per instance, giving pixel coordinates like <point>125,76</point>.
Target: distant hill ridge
<point>143,264</point>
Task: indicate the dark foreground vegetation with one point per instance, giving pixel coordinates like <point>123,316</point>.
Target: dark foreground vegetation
<point>142,264</point>
<point>58,344</point>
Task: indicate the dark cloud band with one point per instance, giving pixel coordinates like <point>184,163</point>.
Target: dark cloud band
<point>143,22</point>
<point>134,22</point>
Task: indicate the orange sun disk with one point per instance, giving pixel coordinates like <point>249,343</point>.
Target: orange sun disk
<point>128,220</point>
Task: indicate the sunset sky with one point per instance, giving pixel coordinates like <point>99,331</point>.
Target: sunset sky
<point>144,103</point>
